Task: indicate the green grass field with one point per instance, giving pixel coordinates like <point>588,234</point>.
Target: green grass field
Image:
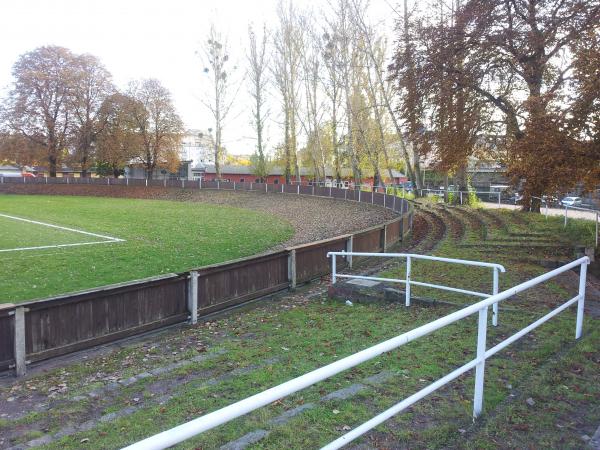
<point>160,237</point>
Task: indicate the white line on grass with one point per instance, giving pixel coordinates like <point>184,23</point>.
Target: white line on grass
<point>77,244</point>
<point>109,239</point>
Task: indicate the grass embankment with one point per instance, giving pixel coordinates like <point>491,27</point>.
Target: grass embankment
<point>251,351</point>
<point>160,237</point>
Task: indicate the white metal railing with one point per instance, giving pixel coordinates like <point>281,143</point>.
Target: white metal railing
<point>408,281</point>
<point>228,413</point>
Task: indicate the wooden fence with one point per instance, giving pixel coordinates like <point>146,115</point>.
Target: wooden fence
<point>43,329</point>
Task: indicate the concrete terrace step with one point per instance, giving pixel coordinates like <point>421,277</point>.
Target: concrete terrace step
<point>167,391</point>
<point>345,393</point>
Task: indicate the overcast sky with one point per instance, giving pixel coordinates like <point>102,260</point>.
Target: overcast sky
<point>152,39</point>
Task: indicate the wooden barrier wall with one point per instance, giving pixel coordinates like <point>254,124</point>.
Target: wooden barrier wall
<point>72,322</point>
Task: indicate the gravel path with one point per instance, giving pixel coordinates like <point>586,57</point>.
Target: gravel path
<point>313,218</point>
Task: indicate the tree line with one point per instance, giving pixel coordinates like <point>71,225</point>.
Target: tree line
<point>63,108</point>
<point>515,81</point>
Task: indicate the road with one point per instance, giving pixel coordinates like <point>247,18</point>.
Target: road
<point>573,213</point>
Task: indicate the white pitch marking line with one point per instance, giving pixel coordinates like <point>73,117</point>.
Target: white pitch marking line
<point>110,238</point>
<point>60,245</point>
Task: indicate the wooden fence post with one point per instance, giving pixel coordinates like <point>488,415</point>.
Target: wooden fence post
<point>20,351</point>
<point>292,268</point>
<point>193,297</point>
<point>384,246</point>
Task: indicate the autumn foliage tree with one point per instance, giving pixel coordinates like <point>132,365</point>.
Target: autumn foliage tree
<point>38,105</point>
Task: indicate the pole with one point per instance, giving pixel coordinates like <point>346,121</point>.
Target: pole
<point>494,292</point>
<point>333,261</point>
<point>407,292</point>
<point>566,213</point>
<point>480,367</point>
<point>581,302</point>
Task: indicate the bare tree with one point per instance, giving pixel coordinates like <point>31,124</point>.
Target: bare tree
<point>287,41</point>
<point>38,106</point>
<point>258,78</point>
<point>160,129</point>
<point>217,68</point>
<point>412,164</point>
<point>92,85</point>
<point>311,119</point>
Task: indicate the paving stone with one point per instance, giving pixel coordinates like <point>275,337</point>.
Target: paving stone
<point>595,441</point>
<point>246,440</point>
<point>40,441</point>
<point>290,413</point>
<point>344,393</point>
<point>380,377</point>
<point>365,283</point>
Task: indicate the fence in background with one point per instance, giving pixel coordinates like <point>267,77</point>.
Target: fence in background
<point>212,420</point>
<point>408,280</point>
<point>38,330</point>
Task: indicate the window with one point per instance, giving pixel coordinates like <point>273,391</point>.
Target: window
<point>241,180</point>
<point>276,181</point>
<point>257,181</point>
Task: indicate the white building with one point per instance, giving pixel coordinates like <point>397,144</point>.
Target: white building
<point>197,146</point>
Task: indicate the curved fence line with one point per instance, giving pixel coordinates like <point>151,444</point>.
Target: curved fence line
<point>46,328</point>
<point>373,196</point>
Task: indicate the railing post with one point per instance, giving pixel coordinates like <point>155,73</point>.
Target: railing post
<point>384,243</point>
<point>498,198</point>
<point>292,268</point>
<point>333,267</point>
<point>19,342</point>
<point>193,297</point>
<point>581,302</point>
<point>298,189</point>
<point>359,189</point>
<point>407,291</point>
<point>597,229</point>
<point>494,292</point>
<point>480,367</point>
<point>349,245</point>
<point>566,213</point>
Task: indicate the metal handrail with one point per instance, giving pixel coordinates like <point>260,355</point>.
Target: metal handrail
<point>194,427</point>
<point>408,281</point>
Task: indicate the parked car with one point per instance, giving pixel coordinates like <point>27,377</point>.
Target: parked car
<point>515,198</point>
<point>571,201</point>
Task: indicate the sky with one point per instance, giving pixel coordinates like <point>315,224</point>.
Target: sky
<point>154,39</point>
